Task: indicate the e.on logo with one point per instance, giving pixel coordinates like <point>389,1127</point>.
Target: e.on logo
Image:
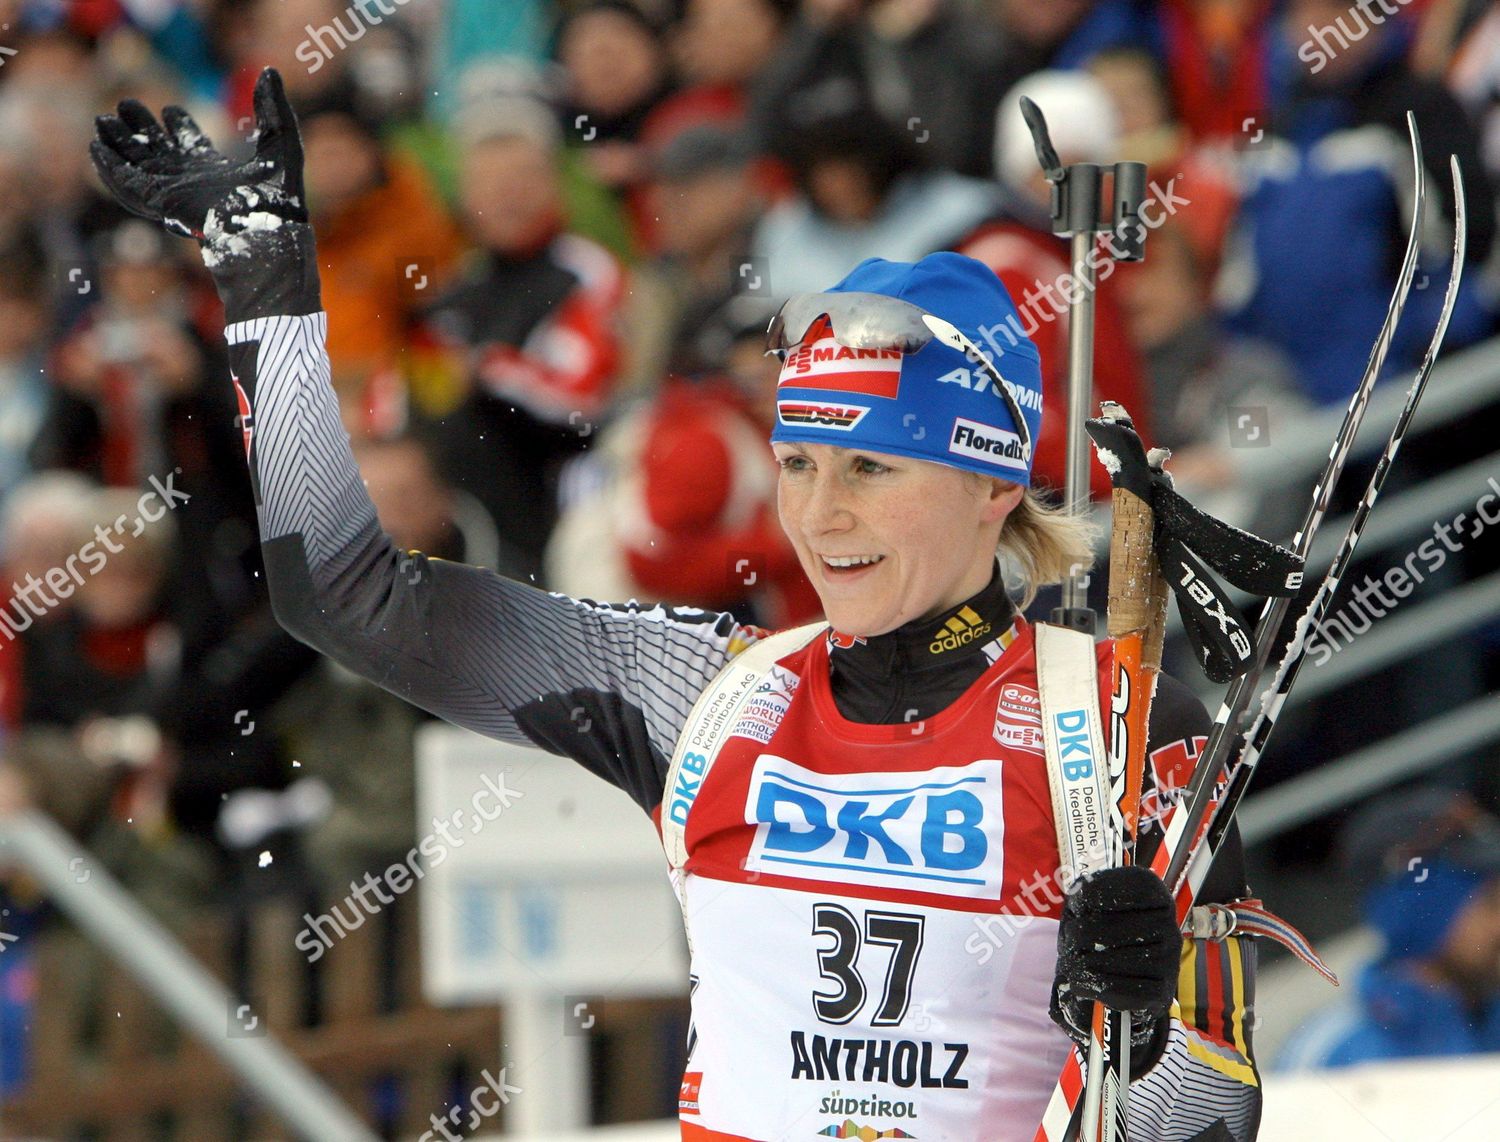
<point>820,362</point>
<point>935,830</point>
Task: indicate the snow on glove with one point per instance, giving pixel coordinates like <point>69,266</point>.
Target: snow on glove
<point>1118,943</point>
<point>249,218</point>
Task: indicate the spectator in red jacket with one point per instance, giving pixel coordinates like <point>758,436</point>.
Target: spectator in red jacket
<point>687,512</point>
<point>1218,55</point>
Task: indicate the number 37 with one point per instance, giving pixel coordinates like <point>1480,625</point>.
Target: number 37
<point>900,931</point>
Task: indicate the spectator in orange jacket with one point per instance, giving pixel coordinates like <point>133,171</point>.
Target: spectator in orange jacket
<point>385,244</point>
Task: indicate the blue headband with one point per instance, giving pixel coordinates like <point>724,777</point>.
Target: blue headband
<point>934,404</point>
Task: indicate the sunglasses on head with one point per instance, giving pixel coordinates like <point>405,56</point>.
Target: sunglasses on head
<point>874,321</point>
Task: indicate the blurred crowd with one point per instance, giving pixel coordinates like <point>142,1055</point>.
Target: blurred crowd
<point>1426,867</point>
<point>551,234</point>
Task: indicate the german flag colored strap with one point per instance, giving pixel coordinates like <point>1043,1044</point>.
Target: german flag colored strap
<point>1250,917</point>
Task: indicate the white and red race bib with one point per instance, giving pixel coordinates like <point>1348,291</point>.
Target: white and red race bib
<point>874,918</point>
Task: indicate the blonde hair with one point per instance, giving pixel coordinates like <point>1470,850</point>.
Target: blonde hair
<point>1043,545</point>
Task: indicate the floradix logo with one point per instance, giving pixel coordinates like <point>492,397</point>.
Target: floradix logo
<point>986,442</point>
<point>960,630</point>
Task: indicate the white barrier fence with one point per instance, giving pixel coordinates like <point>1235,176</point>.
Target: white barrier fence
<point>1431,1100</point>
<point>564,897</point>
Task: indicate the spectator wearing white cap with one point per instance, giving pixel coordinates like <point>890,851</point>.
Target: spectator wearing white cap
<point>1018,244</point>
<point>528,336</point>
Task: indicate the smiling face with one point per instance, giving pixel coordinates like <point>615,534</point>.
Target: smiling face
<point>888,539</point>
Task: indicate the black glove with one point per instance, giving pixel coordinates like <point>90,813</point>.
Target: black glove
<point>250,218</point>
<point>1118,943</point>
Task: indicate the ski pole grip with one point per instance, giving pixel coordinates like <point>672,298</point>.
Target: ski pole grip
<point>1156,632</point>
<point>1132,565</point>
<point>1137,591</point>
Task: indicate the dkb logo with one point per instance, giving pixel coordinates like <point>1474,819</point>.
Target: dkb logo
<point>936,830</point>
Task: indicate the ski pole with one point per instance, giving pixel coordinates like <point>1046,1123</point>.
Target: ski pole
<point>1077,190</point>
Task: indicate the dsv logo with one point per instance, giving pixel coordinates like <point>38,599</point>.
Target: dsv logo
<point>936,830</point>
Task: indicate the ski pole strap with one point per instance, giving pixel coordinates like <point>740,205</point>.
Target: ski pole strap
<point>1250,917</point>
<point>1247,561</point>
<point>1186,539</point>
<point>1222,640</point>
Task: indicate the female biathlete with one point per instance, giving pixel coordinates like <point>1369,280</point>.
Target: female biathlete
<point>865,847</point>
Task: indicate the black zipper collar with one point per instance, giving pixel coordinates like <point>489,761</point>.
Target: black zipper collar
<point>919,668</point>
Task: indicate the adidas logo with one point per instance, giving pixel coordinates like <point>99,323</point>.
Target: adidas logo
<point>960,630</point>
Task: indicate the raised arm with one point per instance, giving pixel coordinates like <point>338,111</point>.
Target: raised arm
<point>608,685</point>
